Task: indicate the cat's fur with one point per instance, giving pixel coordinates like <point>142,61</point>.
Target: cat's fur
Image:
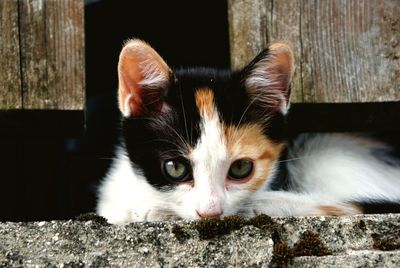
<point>207,119</point>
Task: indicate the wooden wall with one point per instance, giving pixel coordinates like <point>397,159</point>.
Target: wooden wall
<point>42,55</point>
<point>345,51</point>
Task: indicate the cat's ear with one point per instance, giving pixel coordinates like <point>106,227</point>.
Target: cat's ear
<point>267,78</point>
<point>143,79</point>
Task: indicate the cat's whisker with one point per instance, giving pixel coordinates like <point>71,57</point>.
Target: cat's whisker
<point>184,143</point>
<point>152,102</point>
<point>243,114</point>
<point>184,113</point>
<point>291,159</point>
<point>153,93</point>
<point>245,111</point>
<point>191,131</point>
<point>258,97</point>
<point>179,152</point>
<point>243,134</point>
<point>163,140</point>
<point>234,134</point>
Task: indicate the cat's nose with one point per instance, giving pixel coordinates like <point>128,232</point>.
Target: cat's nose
<point>209,215</point>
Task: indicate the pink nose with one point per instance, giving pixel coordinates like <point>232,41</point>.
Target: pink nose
<point>209,214</point>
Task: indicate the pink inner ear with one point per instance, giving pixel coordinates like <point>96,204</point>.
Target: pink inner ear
<point>282,62</point>
<point>129,90</point>
<point>269,79</point>
<point>284,51</point>
<point>143,75</point>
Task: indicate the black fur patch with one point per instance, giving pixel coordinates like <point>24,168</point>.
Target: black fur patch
<point>379,206</point>
<point>281,180</point>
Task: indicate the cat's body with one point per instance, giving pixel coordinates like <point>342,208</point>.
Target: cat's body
<point>202,143</point>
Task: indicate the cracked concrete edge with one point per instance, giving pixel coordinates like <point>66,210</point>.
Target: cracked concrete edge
<point>351,240</point>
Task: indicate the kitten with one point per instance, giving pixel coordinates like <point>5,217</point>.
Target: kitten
<point>204,143</point>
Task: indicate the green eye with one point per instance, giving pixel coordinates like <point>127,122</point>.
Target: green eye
<point>240,169</point>
<point>176,170</point>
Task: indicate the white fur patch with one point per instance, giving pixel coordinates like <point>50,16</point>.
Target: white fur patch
<point>210,164</point>
<point>124,195</point>
<point>127,110</point>
<point>282,203</point>
<point>342,167</point>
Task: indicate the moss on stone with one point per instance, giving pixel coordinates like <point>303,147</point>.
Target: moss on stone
<point>180,233</point>
<point>383,244</point>
<point>281,254</point>
<point>263,222</point>
<point>91,216</point>
<point>362,225</point>
<point>210,228</point>
<point>310,245</point>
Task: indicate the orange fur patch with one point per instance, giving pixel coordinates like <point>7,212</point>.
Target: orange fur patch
<point>205,102</point>
<point>248,141</point>
<point>335,211</point>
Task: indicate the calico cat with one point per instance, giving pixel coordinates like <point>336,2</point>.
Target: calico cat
<point>205,143</point>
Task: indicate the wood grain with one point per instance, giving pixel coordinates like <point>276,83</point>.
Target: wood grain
<point>287,28</point>
<point>247,34</point>
<point>350,51</point>
<point>346,51</point>
<point>52,54</point>
<point>10,82</point>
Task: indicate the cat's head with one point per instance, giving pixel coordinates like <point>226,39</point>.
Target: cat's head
<point>204,139</point>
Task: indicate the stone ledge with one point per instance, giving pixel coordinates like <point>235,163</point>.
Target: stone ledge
<point>368,241</point>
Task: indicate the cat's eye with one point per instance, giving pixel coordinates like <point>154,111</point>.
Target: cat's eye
<point>176,170</point>
<point>240,169</point>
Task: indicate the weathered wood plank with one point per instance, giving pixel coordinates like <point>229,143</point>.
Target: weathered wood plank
<point>346,51</point>
<point>10,82</point>
<point>351,51</point>
<point>35,91</point>
<point>286,27</point>
<point>52,54</point>
<point>247,29</point>
<point>66,66</point>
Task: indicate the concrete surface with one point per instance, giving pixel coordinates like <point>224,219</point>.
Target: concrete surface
<point>356,241</point>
